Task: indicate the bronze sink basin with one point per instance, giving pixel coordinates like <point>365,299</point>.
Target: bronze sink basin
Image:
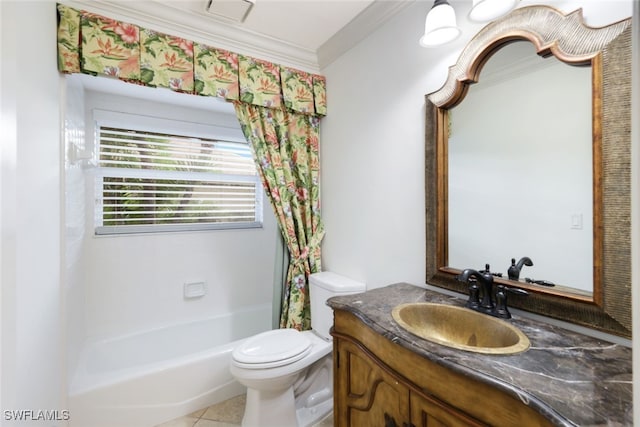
<point>460,328</point>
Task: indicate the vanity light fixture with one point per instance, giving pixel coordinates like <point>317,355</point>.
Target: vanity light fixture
<point>440,25</point>
<point>488,10</point>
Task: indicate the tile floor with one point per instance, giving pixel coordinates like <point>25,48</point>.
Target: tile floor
<point>224,414</point>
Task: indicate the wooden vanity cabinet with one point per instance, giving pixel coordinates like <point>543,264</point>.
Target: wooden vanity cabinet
<point>380,383</point>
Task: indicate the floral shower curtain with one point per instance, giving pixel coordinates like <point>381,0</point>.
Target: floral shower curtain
<point>285,146</point>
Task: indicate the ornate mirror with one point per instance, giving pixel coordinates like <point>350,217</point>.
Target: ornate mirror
<point>511,177</point>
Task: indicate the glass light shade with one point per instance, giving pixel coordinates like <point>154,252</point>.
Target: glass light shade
<point>488,10</point>
<point>440,26</point>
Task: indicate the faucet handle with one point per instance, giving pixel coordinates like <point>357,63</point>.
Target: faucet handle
<point>474,295</point>
<point>516,291</point>
<point>513,272</point>
<point>502,309</point>
<point>539,282</point>
<point>487,271</point>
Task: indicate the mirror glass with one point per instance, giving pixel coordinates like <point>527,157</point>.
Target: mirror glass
<point>520,170</point>
<point>536,168</point>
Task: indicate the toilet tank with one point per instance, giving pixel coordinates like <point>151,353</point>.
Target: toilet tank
<point>323,286</point>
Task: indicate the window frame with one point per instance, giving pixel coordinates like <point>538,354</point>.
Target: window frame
<point>144,123</point>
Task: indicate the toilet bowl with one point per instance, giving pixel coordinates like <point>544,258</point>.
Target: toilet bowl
<point>288,373</point>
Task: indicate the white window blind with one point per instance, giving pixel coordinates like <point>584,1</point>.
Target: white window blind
<point>154,181</point>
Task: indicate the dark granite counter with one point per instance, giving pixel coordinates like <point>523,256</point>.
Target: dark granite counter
<point>571,378</point>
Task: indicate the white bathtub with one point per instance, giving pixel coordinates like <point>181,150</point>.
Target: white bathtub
<point>144,379</point>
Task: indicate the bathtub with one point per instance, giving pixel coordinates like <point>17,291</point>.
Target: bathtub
<point>145,379</point>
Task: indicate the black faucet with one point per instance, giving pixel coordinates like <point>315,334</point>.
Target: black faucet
<point>485,279</point>
<point>514,270</point>
<point>487,305</point>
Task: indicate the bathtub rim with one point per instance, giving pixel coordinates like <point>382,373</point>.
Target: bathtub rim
<point>83,381</point>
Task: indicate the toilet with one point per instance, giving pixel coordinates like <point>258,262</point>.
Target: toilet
<point>288,373</point>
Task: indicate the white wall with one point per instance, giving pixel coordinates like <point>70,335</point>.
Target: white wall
<point>135,282</point>
<point>492,220</point>
<point>61,285</point>
<point>123,284</point>
<point>33,344</point>
<point>372,144</point>
<point>75,220</point>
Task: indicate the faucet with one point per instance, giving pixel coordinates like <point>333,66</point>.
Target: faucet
<point>485,278</point>
<point>487,305</point>
<point>514,270</point>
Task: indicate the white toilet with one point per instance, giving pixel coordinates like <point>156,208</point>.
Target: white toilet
<point>289,374</point>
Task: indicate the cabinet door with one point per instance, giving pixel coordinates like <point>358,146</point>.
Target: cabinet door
<point>426,412</point>
<point>366,393</point>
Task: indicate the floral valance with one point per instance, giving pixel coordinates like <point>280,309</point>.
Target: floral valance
<point>93,44</point>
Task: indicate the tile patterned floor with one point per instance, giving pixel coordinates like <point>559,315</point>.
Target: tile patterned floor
<point>224,414</point>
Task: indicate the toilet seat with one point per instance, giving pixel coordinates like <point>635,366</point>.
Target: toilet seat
<point>272,349</point>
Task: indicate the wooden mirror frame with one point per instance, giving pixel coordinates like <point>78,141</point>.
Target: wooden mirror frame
<point>608,50</point>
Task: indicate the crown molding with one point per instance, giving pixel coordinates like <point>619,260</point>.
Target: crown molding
<point>202,27</point>
<point>368,21</point>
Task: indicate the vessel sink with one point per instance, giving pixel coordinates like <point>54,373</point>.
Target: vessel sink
<point>460,328</point>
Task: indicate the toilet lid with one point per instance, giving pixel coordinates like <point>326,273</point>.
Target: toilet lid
<point>272,349</point>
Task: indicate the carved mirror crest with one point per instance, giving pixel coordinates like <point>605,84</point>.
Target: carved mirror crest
<point>606,305</point>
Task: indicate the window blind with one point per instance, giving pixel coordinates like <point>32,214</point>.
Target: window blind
<point>152,181</point>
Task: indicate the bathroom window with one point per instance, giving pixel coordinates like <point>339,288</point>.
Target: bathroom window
<point>157,175</point>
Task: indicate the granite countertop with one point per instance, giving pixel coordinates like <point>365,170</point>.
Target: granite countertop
<point>571,378</point>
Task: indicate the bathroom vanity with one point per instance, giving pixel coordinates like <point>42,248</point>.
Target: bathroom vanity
<point>386,376</point>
